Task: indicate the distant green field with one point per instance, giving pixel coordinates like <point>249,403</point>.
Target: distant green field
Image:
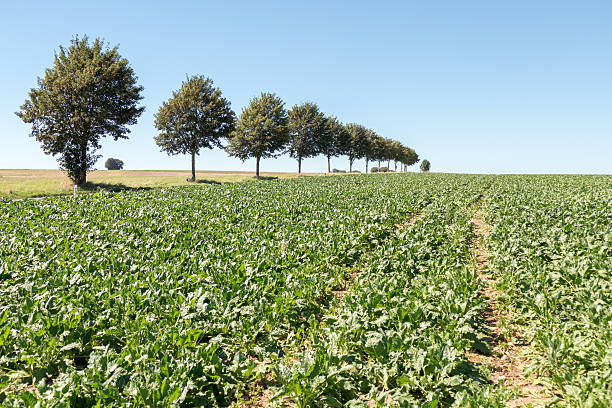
<point>40,183</point>
<point>348,291</point>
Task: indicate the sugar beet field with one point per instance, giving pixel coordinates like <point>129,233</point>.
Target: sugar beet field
<point>410,290</point>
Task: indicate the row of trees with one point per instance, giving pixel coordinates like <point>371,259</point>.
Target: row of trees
<point>91,92</point>
<point>198,117</point>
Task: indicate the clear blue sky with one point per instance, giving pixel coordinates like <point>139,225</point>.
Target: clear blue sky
<point>474,86</point>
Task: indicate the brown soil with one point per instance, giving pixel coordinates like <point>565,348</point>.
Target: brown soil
<point>411,221</point>
<point>507,360</point>
<point>261,400</point>
<point>262,389</point>
<point>339,294</point>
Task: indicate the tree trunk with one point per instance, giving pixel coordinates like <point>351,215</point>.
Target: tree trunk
<point>328,164</point>
<point>257,166</point>
<point>350,164</point>
<point>299,166</point>
<point>378,164</point>
<point>83,167</point>
<point>396,165</point>
<point>366,165</point>
<point>192,166</point>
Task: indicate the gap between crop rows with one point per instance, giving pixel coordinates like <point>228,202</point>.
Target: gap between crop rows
<point>506,359</point>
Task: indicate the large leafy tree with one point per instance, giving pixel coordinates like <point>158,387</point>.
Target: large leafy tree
<point>388,151</point>
<point>306,128</point>
<point>408,157</point>
<point>358,143</point>
<point>377,148</point>
<point>89,93</point>
<point>195,117</point>
<point>397,150</point>
<point>334,141</point>
<point>262,130</point>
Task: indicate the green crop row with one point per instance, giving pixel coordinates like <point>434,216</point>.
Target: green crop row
<point>202,296</point>
<point>174,296</point>
<point>551,251</point>
<point>400,335</point>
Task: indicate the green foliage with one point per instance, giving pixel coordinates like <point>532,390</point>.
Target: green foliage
<point>359,143</point>
<point>383,169</point>
<point>377,146</point>
<point>551,251</point>
<point>335,140</point>
<point>89,93</point>
<point>195,117</point>
<point>374,169</point>
<point>131,300</point>
<point>400,334</point>
<point>262,130</point>
<point>307,125</point>
<point>408,156</point>
<point>425,166</point>
<point>113,164</point>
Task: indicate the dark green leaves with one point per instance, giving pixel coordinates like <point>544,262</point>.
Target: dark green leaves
<point>90,92</point>
<point>196,117</point>
<point>262,130</point>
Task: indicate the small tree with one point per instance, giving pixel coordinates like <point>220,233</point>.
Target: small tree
<point>425,166</point>
<point>261,131</point>
<point>113,164</point>
<point>195,117</point>
<point>89,93</point>
<point>358,143</point>
<point>334,141</point>
<point>306,127</point>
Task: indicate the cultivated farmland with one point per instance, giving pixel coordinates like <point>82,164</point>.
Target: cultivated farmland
<point>357,291</point>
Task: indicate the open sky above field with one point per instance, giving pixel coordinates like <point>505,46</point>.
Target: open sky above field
<point>473,86</point>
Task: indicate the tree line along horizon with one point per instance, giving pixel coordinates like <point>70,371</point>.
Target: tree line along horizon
<point>91,92</point>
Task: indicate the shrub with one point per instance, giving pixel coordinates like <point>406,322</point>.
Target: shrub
<point>374,170</point>
<point>383,169</point>
<point>113,164</point>
<point>338,171</point>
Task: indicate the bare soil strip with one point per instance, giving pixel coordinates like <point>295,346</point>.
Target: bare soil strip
<point>506,360</point>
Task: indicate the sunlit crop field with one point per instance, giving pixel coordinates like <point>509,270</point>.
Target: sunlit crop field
<point>354,291</point>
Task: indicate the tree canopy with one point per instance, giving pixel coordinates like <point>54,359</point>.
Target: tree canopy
<point>261,131</point>
<point>408,157</point>
<point>359,143</point>
<point>377,148</point>
<point>425,166</point>
<point>195,117</point>
<point>90,92</point>
<point>334,141</point>
<point>306,128</point>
